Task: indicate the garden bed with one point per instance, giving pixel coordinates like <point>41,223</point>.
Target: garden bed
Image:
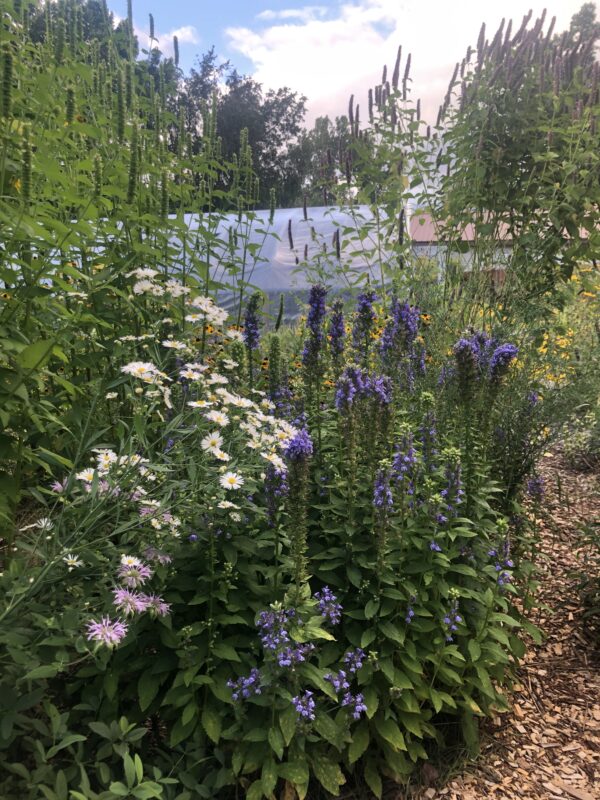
<point>547,746</point>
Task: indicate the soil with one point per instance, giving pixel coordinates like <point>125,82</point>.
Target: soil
<point>548,745</point>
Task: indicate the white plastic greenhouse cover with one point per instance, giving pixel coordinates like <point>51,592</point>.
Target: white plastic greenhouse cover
<point>276,267</point>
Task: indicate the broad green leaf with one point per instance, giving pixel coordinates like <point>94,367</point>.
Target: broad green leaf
<point>360,741</point>
<point>211,722</point>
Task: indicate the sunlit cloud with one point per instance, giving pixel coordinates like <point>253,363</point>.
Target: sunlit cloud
<point>329,56</point>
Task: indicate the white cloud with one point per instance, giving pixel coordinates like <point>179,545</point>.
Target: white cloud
<point>328,57</point>
<point>303,14</point>
<point>187,34</point>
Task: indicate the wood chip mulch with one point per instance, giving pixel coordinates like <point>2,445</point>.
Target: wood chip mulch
<point>548,745</point>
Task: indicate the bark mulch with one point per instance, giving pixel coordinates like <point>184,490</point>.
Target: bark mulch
<point>548,745</point>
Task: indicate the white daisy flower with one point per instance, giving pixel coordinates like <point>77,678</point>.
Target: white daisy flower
<point>199,404</point>
<point>142,272</point>
<point>216,378</point>
<point>176,288</point>
<point>274,459</point>
<point>197,367</point>
<point>72,561</point>
<point>130,561</point>
<point>229,364</point>
<point>173,344</point>
<point>236,336</point>
<point>147,287</point>
<point>226,504</point>
<point>235,516</point>
<point>219,454</point>
<point>218,417</point>
<point>190,375</point>
<point>231,480</point>
<point>213,441</point>
<point>111,395</point>
<point>86,475</point>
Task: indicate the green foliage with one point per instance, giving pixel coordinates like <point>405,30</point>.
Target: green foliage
<point>323,534</point>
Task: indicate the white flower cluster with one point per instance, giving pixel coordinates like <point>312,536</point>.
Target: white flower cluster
<point>208,311</point>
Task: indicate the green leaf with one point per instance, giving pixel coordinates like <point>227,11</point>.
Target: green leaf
<point>371,700</point>
<point>46,671</point>
<point>129,768</point>
<point>68,740</point>
<point>373,779</point>
<point>324,725</point>
<point>255,792</point>
<point>360,741</point>
<point>474,650</point>
<point>211,722</point>
<point>328,773</point>
<point>295,772</point>
<point>390,731</point>
<point>288,721</point>
<point>390,631</point>
<point>275,738</point>
<point>470,731</point>
<point>371,608</point>
<point>225,651</point>
<point>147,687</point>
<point>269,776</point>
<point>35,355</point>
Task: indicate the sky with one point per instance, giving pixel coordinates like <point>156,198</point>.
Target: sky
<point>330,49</point>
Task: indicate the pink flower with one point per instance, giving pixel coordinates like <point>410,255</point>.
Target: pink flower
<point>156,605</point>
<point>134,575</point>
<point>152,554</point>
<point>130,602</point>
<point>106,631</point>
<point>59,486</point>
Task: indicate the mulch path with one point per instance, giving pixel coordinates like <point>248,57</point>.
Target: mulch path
<point>548,745</point>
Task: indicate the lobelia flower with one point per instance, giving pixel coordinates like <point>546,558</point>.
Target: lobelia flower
<point>353,659</point>
<point>276,488</point>
<point>382,494</point>
<point>355,704</point>
<point>535,488</point>
<point>243,688</point>
<point>106,631</point>
<point>364,319</point>
<point>501,360</point>
<point>410,612</point>
<point>328,605</point>
<point>467,362</point>
<point>290,656</point>
<point>314,323</point>
<point>434,546</point>
<point>337,330</point>
<point>405,459</point>
<point>251,332</point>
<point>305,705</point>
<point>299,447</point>
<point>339,681</point>
<point>452,620</point>
<point>273,626</point>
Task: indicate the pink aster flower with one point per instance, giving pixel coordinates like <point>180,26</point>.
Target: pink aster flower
<point>156,605</point>
<point>134,575</point>
<point>130,602</point>
<point>106,631</point>
<point>59,486</point>
<point>152,554</point>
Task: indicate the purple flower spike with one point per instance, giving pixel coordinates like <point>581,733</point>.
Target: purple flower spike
<point>328,605</point>
<point>300,447</point>
<point>305,705</point>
